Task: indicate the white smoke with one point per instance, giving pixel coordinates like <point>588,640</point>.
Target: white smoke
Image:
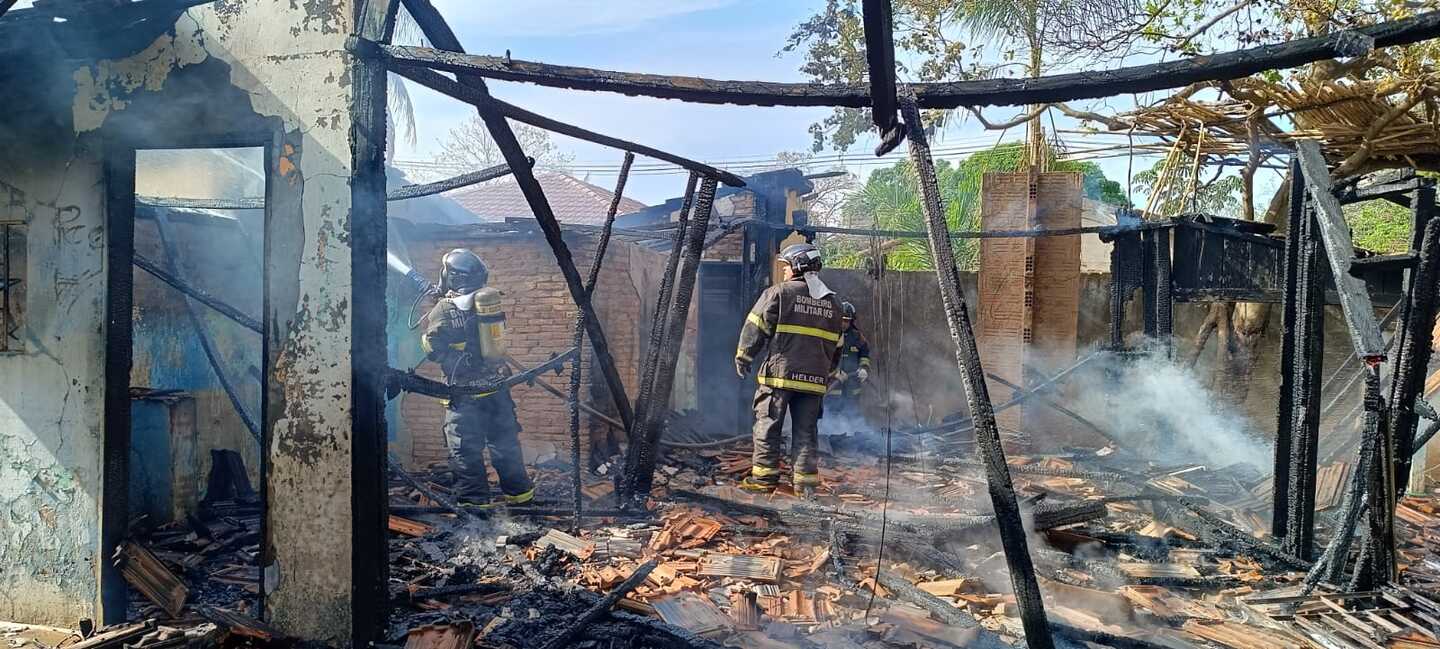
<point>1162,411</point>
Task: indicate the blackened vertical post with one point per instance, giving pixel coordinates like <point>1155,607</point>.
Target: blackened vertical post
<point>640,458</point>
<point>119,330</point>
<point>1163,302</point>
<point>1117,295</point>
<point>1305,388</point>
<point>368,230</point>
<point>982,412</point>
<point>1147,283</point>
<point>438,32</point>
<point>591,281</point>
<point>1279,517</point>
<point>1416,332</point>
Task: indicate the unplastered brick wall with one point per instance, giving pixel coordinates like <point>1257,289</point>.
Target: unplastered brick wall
<point>540,319</point>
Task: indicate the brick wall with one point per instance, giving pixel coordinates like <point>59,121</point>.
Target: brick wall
<point>540,318</point>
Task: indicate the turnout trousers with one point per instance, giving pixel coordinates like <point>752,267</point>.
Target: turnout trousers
<point>771,404</point>
<point>471,425</point>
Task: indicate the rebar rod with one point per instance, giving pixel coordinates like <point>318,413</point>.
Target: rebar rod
<point>967,355</point>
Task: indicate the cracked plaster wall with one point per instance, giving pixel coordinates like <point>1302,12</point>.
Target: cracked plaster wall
<point>289,59</point>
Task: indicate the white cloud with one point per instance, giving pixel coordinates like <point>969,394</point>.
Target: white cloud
<point>568,17</point>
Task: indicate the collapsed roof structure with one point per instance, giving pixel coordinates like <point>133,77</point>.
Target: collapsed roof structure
<point>223,75</point>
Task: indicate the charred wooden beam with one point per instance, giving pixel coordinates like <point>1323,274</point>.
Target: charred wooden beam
<point>399,194</point>
<point>1057,407</point>
<point>463,180</point>
<point>579,336</point>
<point>640,457</point>
<point>987,435</point>
<point>1280,517</point>
<point>1335,234</point>
<point>880,59</point>
<point>601,608</point>
<point>437,31</point>
<point>662,308</point>
<point>207,345</point>
<point>1415,335</point>
<point>471,95</point>
<point>1303,427</point>
<point>200,295</point>
<point>987,92</point>
<point>449,504</point>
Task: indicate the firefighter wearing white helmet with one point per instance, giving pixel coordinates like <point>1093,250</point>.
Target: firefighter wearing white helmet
<point>800,320</point>
<point>466,336</point>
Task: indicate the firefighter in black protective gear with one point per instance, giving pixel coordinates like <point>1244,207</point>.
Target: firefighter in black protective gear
<point>800,320</point>
<point>854,370</point>
<point>466,336</point>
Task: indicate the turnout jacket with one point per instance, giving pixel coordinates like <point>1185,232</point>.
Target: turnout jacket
<point>804,335</point>
<point>452,340</point>
<point>855,351</point>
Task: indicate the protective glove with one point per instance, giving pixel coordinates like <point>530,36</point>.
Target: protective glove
<point>742,367</point>
<point>863,375</point>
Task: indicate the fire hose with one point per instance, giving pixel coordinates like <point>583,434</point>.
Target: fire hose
<point>397,381</point>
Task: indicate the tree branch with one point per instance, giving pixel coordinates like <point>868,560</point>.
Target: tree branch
<point>1367,142</point>
<point>1018,120</point>
<point>1210,22</point>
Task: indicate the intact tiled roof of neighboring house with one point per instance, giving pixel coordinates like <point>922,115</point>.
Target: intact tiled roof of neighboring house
<point>574,200</point>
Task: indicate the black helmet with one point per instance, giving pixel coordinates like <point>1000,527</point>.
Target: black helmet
<point>803,257</point>
<point>847,311</point>
<point>462,271</point>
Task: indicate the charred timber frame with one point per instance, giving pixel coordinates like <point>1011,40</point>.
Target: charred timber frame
<point>472,90</point>
<point>640,457</point>
<point>472,95</point>
<point>1417,328</point>
<point>1302,427</point>
<point>579,336</point>
<point>656,342</point>
<point>967,354</point>
<point>988,92</point>
<point>880,59</point>
<point>1279,518</point>
<point>369,564</point>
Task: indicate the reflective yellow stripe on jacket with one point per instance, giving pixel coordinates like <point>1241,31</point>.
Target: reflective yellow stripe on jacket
<point>800,330</point>
<point>791,384</point>
<point>756,320</point>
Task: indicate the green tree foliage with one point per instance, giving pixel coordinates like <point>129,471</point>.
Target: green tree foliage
<point>890,200</point>
<point>1379,226</point>
<point>1220,197</point>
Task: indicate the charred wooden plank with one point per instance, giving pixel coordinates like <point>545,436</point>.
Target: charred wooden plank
<point>468,94</point>
<point>199,294</point>
<point>601,608</point>
<point>967,353</point>
<point>438,32</point>
<point>987,92</point>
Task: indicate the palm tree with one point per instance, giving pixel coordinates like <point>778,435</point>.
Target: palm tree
<point>399,111</point>
<point>1015,21</point>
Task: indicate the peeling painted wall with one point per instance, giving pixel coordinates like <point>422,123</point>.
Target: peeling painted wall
<point>287,61</point>
<point>51,395</point>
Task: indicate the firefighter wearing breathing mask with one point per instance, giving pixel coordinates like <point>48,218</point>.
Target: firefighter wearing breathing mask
<point>466,337</point>
<point>854,370</point>
<point>800,320</point>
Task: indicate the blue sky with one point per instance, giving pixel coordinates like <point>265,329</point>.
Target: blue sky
<point>735,39</point>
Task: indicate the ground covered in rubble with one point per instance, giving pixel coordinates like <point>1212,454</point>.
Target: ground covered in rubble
<point>1129,554</point>
<point>897,554</point>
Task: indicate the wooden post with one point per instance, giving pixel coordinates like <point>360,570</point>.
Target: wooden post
<point>967,354</point>
<point>438,33</point>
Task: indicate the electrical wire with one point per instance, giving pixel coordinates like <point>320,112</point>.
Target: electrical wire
<point>882,305</point>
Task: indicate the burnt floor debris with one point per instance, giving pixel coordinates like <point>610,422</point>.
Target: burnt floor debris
<point>195,461</point>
